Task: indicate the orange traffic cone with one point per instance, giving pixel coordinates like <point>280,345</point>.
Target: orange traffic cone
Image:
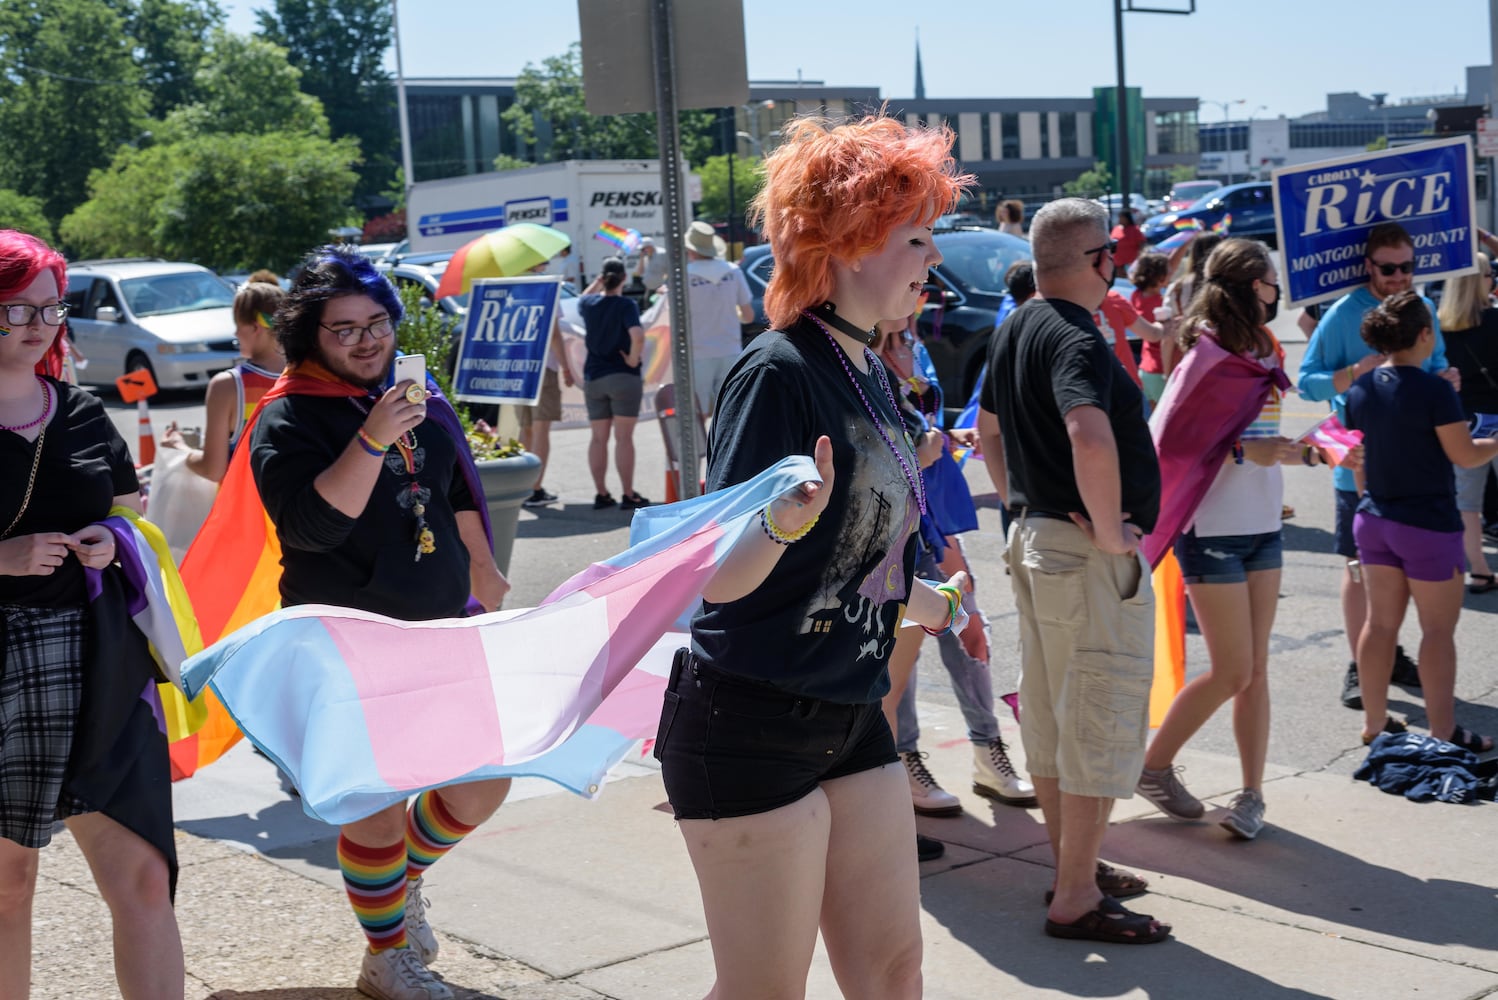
<point>147,436</point>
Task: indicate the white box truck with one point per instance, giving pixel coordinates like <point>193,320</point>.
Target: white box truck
<point>575,196</point>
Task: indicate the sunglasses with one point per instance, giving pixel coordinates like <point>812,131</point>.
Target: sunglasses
<point>1107,248</point>
<point>1389,270</point>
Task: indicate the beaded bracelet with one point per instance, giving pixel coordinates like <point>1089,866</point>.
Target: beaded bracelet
<point>954,601</point>
<point>1306,454</point>
<point>777,534</point>
<point>369,444</point>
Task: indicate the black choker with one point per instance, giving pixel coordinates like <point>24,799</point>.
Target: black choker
<point>827,313</point>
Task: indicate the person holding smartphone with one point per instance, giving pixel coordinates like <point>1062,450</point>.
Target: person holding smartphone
<point>376,506</point>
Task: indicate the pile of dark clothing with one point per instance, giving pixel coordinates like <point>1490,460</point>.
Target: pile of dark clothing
<point>1422,768</point>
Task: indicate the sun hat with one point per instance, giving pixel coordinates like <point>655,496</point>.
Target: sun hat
<point>701,239</point>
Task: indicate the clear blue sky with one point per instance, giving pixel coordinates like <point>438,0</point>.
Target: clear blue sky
<point>1285,55</point>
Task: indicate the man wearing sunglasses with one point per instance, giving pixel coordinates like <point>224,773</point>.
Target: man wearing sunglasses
<point>1335,358</point>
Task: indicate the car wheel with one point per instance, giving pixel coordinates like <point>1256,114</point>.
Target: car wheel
<point>138,362</point>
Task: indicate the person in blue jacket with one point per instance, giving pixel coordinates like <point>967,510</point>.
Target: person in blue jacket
<point>1335,358</point>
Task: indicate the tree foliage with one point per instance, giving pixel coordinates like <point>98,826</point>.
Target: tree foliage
<point>1092,183</point>
<point>340,46</point>
<point>20,212</point>
<point>748,178</point>
<point>550,116</point>
<point>171,39</point>
<point>229,201</point>
<point>70,93</point>
<point>246,86</point>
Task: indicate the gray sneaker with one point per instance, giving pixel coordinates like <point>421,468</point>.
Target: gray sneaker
<point>1245,816</point>
<point>1164,789</point>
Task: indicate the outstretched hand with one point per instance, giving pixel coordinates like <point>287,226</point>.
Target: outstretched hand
<point>798,508</point>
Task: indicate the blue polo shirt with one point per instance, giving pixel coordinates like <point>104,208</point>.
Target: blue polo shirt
<point>1337,343</point>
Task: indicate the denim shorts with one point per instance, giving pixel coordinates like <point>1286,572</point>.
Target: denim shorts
<point>730,746</point>
<point>1347,509</point>
<point>1227,558</point>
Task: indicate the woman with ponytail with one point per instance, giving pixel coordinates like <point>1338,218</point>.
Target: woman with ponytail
<point>612,384</point>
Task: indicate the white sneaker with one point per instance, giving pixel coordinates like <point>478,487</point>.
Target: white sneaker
<point>994,776</point>
<point>397,974</point>
<point>419,933</point>
<point>929,798</point>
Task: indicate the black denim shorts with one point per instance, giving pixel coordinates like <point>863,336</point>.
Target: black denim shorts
<point>730,746</point>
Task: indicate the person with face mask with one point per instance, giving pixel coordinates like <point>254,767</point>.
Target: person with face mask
<point>1335,358</point>
<point>1230,550</point>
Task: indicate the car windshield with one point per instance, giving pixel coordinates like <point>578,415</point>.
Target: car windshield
<point>187,291</point>
<point>1191,192</point>
<point>979,261</point>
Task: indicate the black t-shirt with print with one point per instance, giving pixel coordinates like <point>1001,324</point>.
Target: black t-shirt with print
<point>1045,360</point>
<point>367,562</point>
<point>824,622</point>
<point>84,465</point>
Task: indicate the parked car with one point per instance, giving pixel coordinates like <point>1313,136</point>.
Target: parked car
<point>174,320</point>
<point>960,220</point>
<point>1137,204</point>
<point>1248,210</point>
<point>1185,193</point>
<point>965,291</point>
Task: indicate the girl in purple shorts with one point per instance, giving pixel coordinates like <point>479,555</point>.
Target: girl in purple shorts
<point>1408,531</point>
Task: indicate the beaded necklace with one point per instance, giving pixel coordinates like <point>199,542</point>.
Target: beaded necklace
<point>916,485</point>
<point>46,409</point>
<point>426,540</point>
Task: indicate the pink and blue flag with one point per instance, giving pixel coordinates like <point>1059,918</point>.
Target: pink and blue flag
<point>348,704</point>
<point>1333,439</point>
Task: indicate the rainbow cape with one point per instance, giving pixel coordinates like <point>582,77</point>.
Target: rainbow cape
<point>232,571</point>
<point>346,702</point>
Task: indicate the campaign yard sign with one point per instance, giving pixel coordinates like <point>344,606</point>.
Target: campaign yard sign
<point>502,356</point>
<point>1323,211</point>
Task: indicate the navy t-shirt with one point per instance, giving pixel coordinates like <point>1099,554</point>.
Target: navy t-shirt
<point>608,319</point>
<point>1408,477</point>
<point>824,622</point>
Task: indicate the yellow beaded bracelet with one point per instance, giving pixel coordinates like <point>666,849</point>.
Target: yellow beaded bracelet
<point>767,521</point>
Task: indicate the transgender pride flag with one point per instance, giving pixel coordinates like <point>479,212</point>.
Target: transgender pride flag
<point>362,711</point>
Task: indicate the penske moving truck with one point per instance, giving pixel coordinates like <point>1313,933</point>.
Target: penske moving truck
<point>574,196</point>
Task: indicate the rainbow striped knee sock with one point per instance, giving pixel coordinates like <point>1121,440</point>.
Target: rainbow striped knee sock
<point>374,878</point>
<point>431,831</point>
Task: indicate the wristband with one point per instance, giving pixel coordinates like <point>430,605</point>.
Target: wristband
<point>779,535</point>
<point>954,602</point>
<point>369,444</point>
<point>1352,375</point>
<point>1307,455</point>
<point>1238,452</point>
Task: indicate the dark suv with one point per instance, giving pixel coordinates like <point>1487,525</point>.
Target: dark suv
<point>966,289</point>
<point>1247,208</point>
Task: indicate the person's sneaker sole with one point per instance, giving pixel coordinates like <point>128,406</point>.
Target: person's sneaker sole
<point>1230,824</point>
<point>1018,801</point>
<point>938,810</point>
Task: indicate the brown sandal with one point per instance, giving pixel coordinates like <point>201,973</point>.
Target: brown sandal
<point>1114,882</point>
<point>1111,923</point>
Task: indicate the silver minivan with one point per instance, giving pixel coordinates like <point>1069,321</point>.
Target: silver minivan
<point>174,319</point>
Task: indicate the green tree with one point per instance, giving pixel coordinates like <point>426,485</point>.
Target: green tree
<point>1092,183</point>
<point>229,201</point>
<point>748,178</point>
<point>70,94</point>
<point>1182,172</point>
<point>171,38</point>
<point>20,212</point>
<point>246,86</point>
<point>550,116</point>
<point>340,46</point>
<point>504,161</point>
<point>1382,142</point>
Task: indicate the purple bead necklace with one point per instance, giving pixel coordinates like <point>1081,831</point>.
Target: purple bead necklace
<point>46,409</point>
<point>916,485</point>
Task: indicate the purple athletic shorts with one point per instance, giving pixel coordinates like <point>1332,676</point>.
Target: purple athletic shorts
<point>1433,556</point>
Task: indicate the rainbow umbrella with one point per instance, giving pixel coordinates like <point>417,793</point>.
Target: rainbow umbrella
<point>502,253</point>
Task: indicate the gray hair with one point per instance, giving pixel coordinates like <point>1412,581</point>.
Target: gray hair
<point>1062,230</point>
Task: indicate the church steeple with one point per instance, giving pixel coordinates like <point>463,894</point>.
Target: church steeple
<point>920,79</point>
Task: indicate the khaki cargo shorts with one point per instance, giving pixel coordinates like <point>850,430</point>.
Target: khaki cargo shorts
<point>1087,623</point>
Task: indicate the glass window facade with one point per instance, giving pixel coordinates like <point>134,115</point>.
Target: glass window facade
<point>1010,138</point>
<point>985,123</point>
<point>1223,138</point>
<point>1314,135</point>
<point>1068,133</point>
<point>1176,133</point>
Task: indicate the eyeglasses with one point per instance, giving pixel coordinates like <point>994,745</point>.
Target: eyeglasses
<point>1388,270</point>
<point>348,336</point>
<point>1098,252</point>
<point>23,315</point>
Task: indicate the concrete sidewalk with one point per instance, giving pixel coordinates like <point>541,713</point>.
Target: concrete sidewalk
<point>1350,893</point>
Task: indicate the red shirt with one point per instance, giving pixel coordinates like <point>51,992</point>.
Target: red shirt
<point>1130,242</point>
<point>1150,359</point>
<point>1120,315</point>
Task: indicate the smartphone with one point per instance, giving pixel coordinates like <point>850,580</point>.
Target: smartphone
<point>412,367</point>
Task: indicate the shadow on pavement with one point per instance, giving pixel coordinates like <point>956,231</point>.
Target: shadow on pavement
<point>569,522</point>
<point>1300,538</point>
<point>281,830</point>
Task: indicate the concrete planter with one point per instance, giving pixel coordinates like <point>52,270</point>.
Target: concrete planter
<point>507,482</point>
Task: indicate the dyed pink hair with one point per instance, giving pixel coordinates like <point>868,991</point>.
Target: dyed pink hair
<point>22,258</point>
<point>835,192</point>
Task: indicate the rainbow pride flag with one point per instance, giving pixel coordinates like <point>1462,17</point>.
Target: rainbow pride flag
<point>627,240</point>
<point>1183,225</point>
<point>346,702</point>
<point>1224,224</point>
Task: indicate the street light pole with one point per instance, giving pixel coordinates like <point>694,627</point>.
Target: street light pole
<point>1227,136</point>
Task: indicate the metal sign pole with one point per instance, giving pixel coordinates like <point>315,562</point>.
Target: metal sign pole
<point>673,202</point>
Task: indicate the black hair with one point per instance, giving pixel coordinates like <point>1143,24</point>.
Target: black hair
<point>1395,323</point>
<point>1020,280</point>
<point>328,273</point>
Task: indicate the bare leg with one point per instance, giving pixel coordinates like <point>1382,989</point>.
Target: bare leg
<point>624,453</point>
<point>1084,820</point>
<point>1388,597</point>
<point>1477,560</point>
<point>132,877</point>
<point>1354,609</point>
<point>598,452</point>
<point>473,802</point>
<point>901,667</point>
<point>1251,705</point>
<point>540,446</point>
<point>871,904</point>
<point>18,867</point>
<point>1438,606</point>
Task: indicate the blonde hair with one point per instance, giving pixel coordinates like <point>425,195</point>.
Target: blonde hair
<point>1466,297</point>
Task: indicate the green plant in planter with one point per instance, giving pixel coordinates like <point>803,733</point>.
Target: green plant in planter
<point>425,329</point>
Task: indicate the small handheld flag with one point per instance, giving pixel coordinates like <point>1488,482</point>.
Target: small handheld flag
<point>627,240</point>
